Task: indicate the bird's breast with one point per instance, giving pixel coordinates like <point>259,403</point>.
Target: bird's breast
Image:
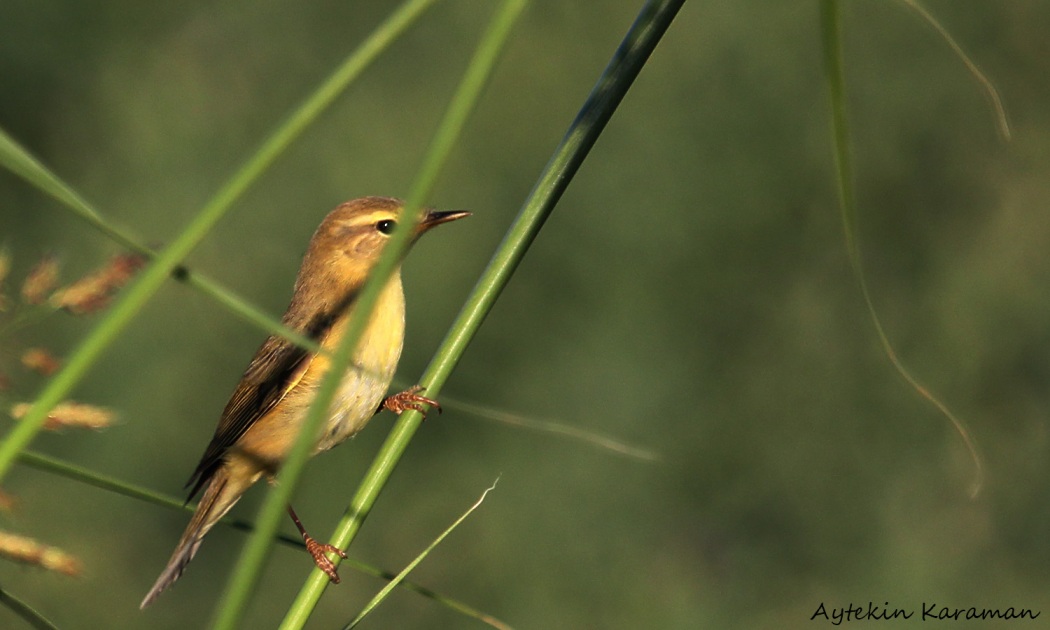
<point>366,381</point>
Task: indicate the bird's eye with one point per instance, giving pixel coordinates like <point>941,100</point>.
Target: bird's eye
<point>386,226</point>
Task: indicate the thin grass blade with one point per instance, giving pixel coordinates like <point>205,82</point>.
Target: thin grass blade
<point>399,578</point>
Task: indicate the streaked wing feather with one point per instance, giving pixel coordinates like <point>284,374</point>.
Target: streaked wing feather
<point>276,368</point>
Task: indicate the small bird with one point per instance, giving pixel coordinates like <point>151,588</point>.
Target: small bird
<point>264,414</point>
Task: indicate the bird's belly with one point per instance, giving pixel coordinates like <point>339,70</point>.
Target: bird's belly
<point>355,403</point>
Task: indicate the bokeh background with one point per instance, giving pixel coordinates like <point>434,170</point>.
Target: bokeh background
<point>690,296</point>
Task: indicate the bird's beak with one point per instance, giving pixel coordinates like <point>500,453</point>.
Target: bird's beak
<point>433,217</point>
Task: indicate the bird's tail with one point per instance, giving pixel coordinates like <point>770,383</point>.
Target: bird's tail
<point>221,493</point>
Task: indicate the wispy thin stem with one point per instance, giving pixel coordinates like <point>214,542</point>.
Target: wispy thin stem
<point>561,429</point>
<point>998,110</point>
<point>836,81</point>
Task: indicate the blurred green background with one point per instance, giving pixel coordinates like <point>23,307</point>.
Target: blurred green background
<point>691,295</point>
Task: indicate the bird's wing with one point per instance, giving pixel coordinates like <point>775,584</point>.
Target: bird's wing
<point>274,370</point>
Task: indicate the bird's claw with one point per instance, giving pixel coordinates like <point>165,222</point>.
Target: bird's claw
<point>410,399</point>
<point>318,551</point>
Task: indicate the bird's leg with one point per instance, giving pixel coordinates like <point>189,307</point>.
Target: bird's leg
<point>408,399</point>
<point>318,550</point>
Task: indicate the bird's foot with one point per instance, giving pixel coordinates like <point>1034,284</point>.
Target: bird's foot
<point>409,399</point>
<point>318,551</point>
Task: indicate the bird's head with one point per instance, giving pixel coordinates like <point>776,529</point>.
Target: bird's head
<point>350,240</point>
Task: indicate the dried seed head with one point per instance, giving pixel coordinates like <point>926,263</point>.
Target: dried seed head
<point>5,267</point>
<point>7,502</point>
<point>30,551</point>
<point>5,264</point>
<point>70,414</point>
<point>41,361</point>
<point>93,292</point>
<point>41,280</point>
